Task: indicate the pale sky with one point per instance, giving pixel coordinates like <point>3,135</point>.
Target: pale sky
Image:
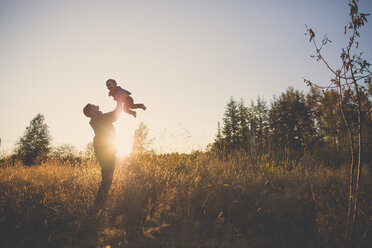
<point>182,59</point>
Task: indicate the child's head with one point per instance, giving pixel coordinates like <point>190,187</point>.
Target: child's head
<point>111,83</point>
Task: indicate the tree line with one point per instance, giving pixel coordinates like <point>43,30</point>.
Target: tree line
<point>295,127</point>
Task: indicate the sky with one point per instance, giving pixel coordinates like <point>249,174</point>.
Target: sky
<point>182,59</point>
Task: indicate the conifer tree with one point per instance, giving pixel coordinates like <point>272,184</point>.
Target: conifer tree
<point>230,129</point>
<point>243,126</point>
<point>218,147</point>
<point>260,111</point>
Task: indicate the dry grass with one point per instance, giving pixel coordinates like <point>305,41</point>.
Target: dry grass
<point>177,201</point>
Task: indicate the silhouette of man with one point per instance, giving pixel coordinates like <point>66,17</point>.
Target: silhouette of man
<point>104,144</point>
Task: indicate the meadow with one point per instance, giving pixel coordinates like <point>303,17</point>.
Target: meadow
<point>179,200</point>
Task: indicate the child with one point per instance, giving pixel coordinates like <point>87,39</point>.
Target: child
<point>117,92</point>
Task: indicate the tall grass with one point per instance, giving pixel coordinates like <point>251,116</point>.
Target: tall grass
<point>178,200</point>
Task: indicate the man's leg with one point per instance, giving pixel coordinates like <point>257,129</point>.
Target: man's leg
<point>107,171</point>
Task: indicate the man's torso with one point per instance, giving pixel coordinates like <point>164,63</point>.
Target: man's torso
<point>104,132</point>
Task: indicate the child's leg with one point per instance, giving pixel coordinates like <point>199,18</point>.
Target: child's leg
<point>127,110</point>
<point>138,105</point>
<point>130,103</point>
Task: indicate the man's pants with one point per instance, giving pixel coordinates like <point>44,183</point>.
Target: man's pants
<point>107,162</point>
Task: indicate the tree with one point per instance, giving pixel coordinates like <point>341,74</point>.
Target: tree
<point>258,114</point>
<point>330,122</point>
<point>64,151</point>
<point>351,80</point>
<point>314,103</point>
<point>141,142</point>
<point>243,123</point>
<point>66,154</point>
<point>291,125</point>
<point>230,129</point>
<point>34,146</point>
<point>89,152</point>
<point>219,143</point>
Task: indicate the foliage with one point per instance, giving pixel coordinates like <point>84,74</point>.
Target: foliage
<point>66,154</point>
<point>292,129</point>
<point>177,200</point>
<point>230,128</point>
<point>295,127</point>
<point>141,141</point>
<point>41,205</point>
<point>34,146</point>
<point>352,81</point>
<point>259,119</point>
<point>331,124</point>
<point>89,153</point>
<point>243,129</point>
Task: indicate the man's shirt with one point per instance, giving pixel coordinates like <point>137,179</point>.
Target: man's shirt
<point>104,131</point>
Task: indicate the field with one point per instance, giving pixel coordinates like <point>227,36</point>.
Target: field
<point>178,200</point>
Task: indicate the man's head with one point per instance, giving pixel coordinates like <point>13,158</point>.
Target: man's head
<point>111,83</point>
<point>91,110</point>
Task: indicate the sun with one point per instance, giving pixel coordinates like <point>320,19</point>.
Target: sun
<point>124,140</point>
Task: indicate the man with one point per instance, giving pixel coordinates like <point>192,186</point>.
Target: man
<point>104,144</point>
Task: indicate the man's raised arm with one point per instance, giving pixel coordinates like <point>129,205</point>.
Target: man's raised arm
<point>114,115</point>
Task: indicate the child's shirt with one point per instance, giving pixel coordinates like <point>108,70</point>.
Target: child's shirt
<point>119,91</point>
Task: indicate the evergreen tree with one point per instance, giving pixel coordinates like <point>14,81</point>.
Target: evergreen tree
<point>219,135</point>
<point>260,119</point>
<point>218,147</point>
<point>243,123</point>
<point>230,129</point>
<point>34,146</point>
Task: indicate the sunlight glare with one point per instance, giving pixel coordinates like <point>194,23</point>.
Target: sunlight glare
<point>124,140</point>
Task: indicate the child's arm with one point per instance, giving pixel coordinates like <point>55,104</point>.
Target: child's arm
<point>120,93</point>
<point>114,115</point>
<point>126,92</point>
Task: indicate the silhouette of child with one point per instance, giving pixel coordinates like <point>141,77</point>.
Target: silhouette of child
<point>119,93</point>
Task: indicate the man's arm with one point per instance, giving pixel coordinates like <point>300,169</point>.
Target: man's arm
<point>114,115</point>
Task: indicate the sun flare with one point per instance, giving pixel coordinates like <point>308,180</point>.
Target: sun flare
<point>124,140</point>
